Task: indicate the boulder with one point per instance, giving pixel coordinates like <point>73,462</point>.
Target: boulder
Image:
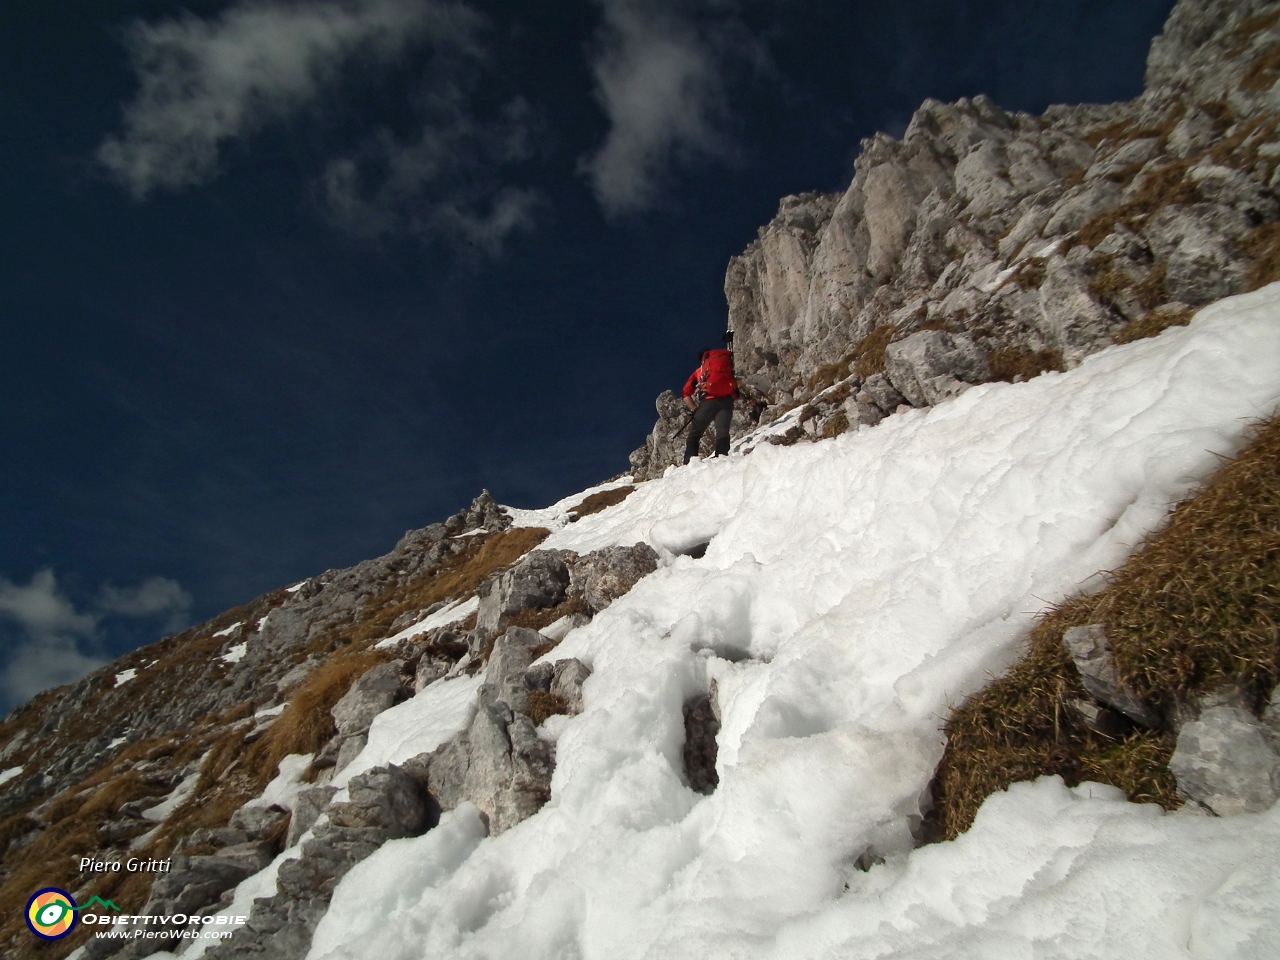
<point>504,677</point>
<point>932,365</point>
<point>1080,205</point>
<point>1069,315</point>
<point>348,749</point>
<point>499,764</point>
<point>1197,242</point>
<point>377,690</point>
<point>385,798</point>
<point>253,855</point>
<point>880,392</point>
<point>307,807</point>
<point>1092,656</point>
<point>1225,761</point>
<point>604,575</point>
<point>258,822</point>
<point>537,582</point>
<point>566,682</point>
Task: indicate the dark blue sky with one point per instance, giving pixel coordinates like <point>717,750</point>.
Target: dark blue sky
<point>282,280</point>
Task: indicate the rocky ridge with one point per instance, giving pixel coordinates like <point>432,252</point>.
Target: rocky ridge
<point>989,245</point>
<point>165,754</point>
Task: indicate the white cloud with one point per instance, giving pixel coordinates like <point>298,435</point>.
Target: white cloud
<point>661,74</point>
<point>203,83</point>
<point>54,634</point>
<point>153,598</point>
<point>442,183</point>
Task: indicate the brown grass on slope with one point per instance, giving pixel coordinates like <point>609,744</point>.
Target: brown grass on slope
<point>1197,606</point>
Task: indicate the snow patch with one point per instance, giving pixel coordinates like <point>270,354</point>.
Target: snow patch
<point>853,591</point>
<point>227,631</point>
<point>235,654</point>
<point>7,775</point>
<point>458,610</point>
<point>124,676</point>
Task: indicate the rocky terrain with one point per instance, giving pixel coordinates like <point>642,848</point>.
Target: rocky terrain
<point>983,246</point>
<point>988,245</point>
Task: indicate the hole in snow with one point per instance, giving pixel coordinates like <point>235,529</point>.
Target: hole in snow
<point>701,724</point>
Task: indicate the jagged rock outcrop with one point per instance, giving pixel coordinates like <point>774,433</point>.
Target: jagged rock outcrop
<point>1226,760</point>
<point>1035,240</point>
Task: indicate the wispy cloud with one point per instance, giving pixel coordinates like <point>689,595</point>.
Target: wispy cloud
<point>204,83</point>
<point>57,642</point>
<point>446,181</point>
<point>662,70</point>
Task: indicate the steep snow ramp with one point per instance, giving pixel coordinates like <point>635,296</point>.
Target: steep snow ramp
<point>852,592</point>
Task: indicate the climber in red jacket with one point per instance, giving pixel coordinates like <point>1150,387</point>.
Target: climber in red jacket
<point>709,393</point>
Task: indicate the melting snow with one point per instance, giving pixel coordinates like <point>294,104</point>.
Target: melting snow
<point>236,653</point>
<point>174,800</point>
<point>557,515</point>
<point>852,592</point>
<point>287,784</point>
<point>458,610</point>
<point>227,631</point>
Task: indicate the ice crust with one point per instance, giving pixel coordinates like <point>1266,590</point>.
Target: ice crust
<point>852,592</point>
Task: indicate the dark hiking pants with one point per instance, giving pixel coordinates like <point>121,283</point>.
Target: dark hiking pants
<point>721,411</point>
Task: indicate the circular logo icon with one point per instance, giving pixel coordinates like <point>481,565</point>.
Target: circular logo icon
<point>51,913</point>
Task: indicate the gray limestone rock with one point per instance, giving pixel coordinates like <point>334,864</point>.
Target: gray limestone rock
<point>932,365</point>
<point>1198,242</point>
<point>499,764</point>
<point>307,807</point>
<point>1080,205</point>
<point>890,204</point>
<point>1135,152</point>
<point>1271,716</point>
<point>257,821</point>
<point>537,582</point>
<point>377,690</point>
<point>1092,656</point>
<point>1193,134</point>
<point>1226,762</point>
<point>566,683</point>
<point>604,575</point>
<point>881,392</point>
<point>384,798</point>
<point>348,749</point>
<point>504,677</point>
<point>252,855</point>
<point>1070,318</point>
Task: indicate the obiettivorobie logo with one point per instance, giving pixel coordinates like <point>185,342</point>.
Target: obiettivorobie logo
<point>51,913</point>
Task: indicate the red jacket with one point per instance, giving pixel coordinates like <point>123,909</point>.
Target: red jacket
<point>714,378</point>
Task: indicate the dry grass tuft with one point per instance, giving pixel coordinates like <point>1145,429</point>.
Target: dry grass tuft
<point>537,619</point>
<point>306,723</point>
<point>1263,72</point>
<point>1199,605</point>
<point>602,500</point>
<point>1263,247</point>
<point>543,705</point>
<point>869,353</point>
<point>1029,274</point>
<point>1009,363</point>
<point>1154,323</point>
<point>835,426</point>
<point>1159,189</point>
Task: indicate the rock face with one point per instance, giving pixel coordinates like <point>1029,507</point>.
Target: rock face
<point>1092,657</point>
<point>1227,760</point>
<point>1019,236</point>
<point>538,581</point>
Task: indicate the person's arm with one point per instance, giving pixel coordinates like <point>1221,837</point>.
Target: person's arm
<point>689,386</point>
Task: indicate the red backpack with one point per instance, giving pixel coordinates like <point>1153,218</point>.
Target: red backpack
<point>715,377</point>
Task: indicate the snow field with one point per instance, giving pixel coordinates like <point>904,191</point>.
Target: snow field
<point>852,592</point>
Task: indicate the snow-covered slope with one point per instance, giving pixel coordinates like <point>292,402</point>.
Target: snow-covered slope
<point>852,592</point>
